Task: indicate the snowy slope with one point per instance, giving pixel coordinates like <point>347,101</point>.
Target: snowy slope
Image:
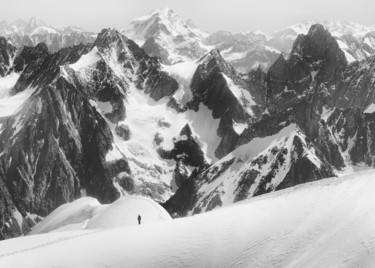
<point>10,104</point>
<point>7,83</point>
<point>329,223</point>
<point>183,73</point>
<point>87,213</point>
<point>262,165</point>
<point>148,119</point>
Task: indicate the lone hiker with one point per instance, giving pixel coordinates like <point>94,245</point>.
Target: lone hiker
<point>139,219</point>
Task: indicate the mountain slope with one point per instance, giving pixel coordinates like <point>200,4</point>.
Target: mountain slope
<point>304,135</point>
<point>327,223</point>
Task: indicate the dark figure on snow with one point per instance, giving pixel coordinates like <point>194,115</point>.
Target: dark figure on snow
<point>139,219</point>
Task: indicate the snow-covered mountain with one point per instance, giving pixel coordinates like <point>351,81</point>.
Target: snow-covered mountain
<point>34,31</point>
<point>328,223</point>
<point>164,34</point>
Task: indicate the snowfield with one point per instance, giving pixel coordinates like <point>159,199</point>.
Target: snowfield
<point>329,223</point>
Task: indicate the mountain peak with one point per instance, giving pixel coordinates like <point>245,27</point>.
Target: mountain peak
<point>316,28</point>
<point>109,33</point>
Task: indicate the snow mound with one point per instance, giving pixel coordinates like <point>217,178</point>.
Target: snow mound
<point>67,214</point>
<point>87,213</point>
<point>124,212</point>
<point>329,223</point>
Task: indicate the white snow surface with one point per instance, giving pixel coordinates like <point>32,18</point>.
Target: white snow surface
<point>328,223</point>
<point>239,127</point>
<point>87,213</point>
<point>10,105</point>
<point>183,72</point>
<point>7,83</point>
<point>86,60</point>
<point>370,109</point>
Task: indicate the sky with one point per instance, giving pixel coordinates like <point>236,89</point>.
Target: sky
<point>209,15</point>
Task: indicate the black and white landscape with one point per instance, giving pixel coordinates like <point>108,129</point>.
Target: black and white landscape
<point>267,139</point>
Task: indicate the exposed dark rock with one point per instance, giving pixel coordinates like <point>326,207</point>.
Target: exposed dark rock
<point>210,87</point>
<point>315,59</point>
<point>7,52</point>
<point>163,123</point>
<point>180,173</point>
<point>127,183</point>
<point>158,138</point>
<point>123,131</point>
<point>186,148</point>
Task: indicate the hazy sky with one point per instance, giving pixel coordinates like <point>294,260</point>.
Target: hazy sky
<point>209,15</point>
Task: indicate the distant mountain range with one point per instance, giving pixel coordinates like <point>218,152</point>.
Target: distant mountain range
<point>34,31</point>
<point>164,34</point>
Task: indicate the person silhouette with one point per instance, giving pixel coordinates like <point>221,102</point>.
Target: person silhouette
<point>139,219</point>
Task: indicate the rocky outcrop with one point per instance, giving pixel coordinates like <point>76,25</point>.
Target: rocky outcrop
<point>231,98</point>
<point>315,59</point>
<point>186,150</point>
<point>7,54</point>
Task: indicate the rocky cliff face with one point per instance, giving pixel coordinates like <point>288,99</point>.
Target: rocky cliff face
<point>7,54</point>
<point>318,124</point>
<point>55,145</point>
<point>231,97</point>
